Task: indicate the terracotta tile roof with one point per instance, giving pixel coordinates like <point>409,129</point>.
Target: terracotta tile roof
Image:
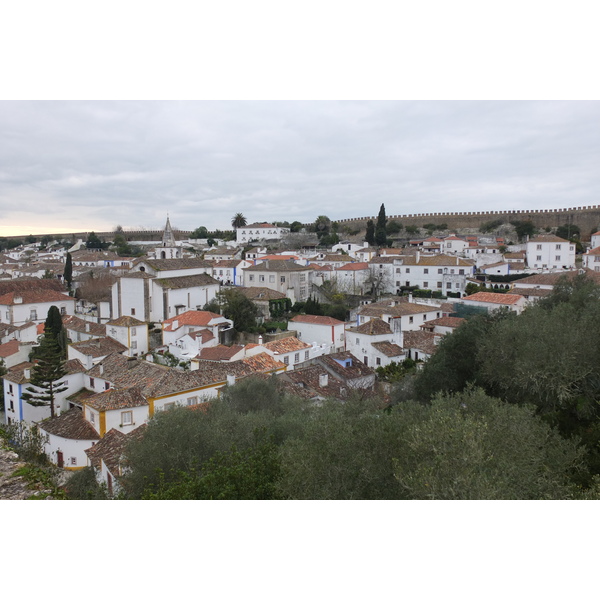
<point>388,348</point>
<point>357,266</point>
<point>514,255</point>
<point>109,449</point>
<point>553,278</point>
<point>437,260</point>
<point>70,425</point>
<point>16,374</point>
<point>278,266</point>
<point>220,352</point>
<point>355,370</point>
<point>378,309</point>
<point>316,320</point>
<point>197,318</point>
<point>138,275</point>
<point>203,335</point>
<point>420,340</point>
<point>337,258</point>
<point>491,298</point>
<point>307,382</point>
<point>74,365</point>
<point>258,225</point>
<point>126,321</point>
<point>537,292</point>
<point>260,293</point>
<point>187,281</point>
<point>82,326</point>
<point>227,264</point>
<point>288,344</point>
<point>444,322</point>
<point>277,257</point>
<point>261,363</point>
<point>9,348</point>
<point>496,265</point>
<point>99,347</point>
<point>34,297</point>
<point>374,326</point>
<point>21,284</point>
<point>539,239</point>
<point>117,399</point>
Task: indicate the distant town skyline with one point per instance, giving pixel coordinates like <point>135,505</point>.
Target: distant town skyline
<point>70,166</point>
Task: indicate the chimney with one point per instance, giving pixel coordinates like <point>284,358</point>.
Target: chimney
<point>101,369</point>
<point>18,300</point>
<point>87,326</point>
<point>176,324</point>
<point>27,373</point>
<point>230,379</point>
<point>260,340</point>
<point>323,379</point>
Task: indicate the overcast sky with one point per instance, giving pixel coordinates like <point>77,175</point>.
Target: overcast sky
<point>81,165</point>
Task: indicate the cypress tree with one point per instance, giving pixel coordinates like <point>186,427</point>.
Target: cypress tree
<point>380,231</point>
<point>68,272</point>
<point>370,235</point>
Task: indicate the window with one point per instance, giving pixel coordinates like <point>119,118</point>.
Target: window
<point>410,319</point>
<point>557,257</point>
<point>282,279</point>
<point>91,382</point>
<point>12,406</point>
<point>10,388</point>
<point>398,270</point>
<point>439,284</point>
<point>192,400</point>
<point>440,271</point>
<point>33,314</point>
<point>92,417</point>
<point>424,317</point>
<point>408,284</point>
<point>133,332</point>
<point>127,417</point>
<point>398,284</point>
<point>251,278</point>
<point>538,258</point>
<point>426,284</point>
<point>357,341</point>
<point>73,461</point>
<point>297,357</point>
<point>132,312</point>
<point>426,271</point>
<point>271,278</point>
<point>134,345</point>
<point>106,385</point>
<point>461,271</point>
<point>448,286</point>
<point>407,270</point>
<point>261,278</point>
<point>558,246</point>
<point>306,355</point>
<point>539,247</point>
<point>286,360</point>
<point>63,310</point>
<point>378,360</point>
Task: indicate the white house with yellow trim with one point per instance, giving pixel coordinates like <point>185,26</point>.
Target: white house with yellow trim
<point>130,332</point>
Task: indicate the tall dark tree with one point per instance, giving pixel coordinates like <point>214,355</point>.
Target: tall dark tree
<point>380,230</point>
<point>322,226</point>
<point>370,235</point>
<point>68,272</point>
<point>46,374</point>
<point>238,308</point>
<point>94,242</point>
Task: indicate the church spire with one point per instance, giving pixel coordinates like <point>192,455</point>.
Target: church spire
<point>168,240</point>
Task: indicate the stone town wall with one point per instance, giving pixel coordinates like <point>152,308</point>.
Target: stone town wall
<point>586,218</point>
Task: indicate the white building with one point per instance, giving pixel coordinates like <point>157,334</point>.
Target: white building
<point>550,253</point>
<point>375,344</point>
<point>320,330</point>
<point>130,332</point>
<point>259,232</point>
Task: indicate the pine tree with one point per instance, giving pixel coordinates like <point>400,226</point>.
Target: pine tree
<point>68,272</point>
<point>46,373</point>
<point>370,235</point>
<point>380,231</point>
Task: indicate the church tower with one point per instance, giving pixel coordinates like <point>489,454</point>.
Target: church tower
<point>169,249</point>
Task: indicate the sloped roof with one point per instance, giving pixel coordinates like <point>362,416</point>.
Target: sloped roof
<point>357,266</point>
<point>316,320</point>
<point>491,298</point>
<point>388,348</point>
<point>356,370</point>
<point>197,318</point>
<point>278,266</point>
<point>374,326</point>
<point>117,399</point>
<point>21,284</point>
<point>176,264</point>
<point>378,309</point>
<point>220,352</point>
<point>186,281</point>
<point>70,425</point>
<point>9,348</point>
<point>126,321</point>
<point>288,344</point>
<point>260,293</point>
<point>539,239</point>
<point>34,297</point>
<point>101,346</point>
<point>75,323</point>
<point>444,322</point>
<point>420,340</point>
